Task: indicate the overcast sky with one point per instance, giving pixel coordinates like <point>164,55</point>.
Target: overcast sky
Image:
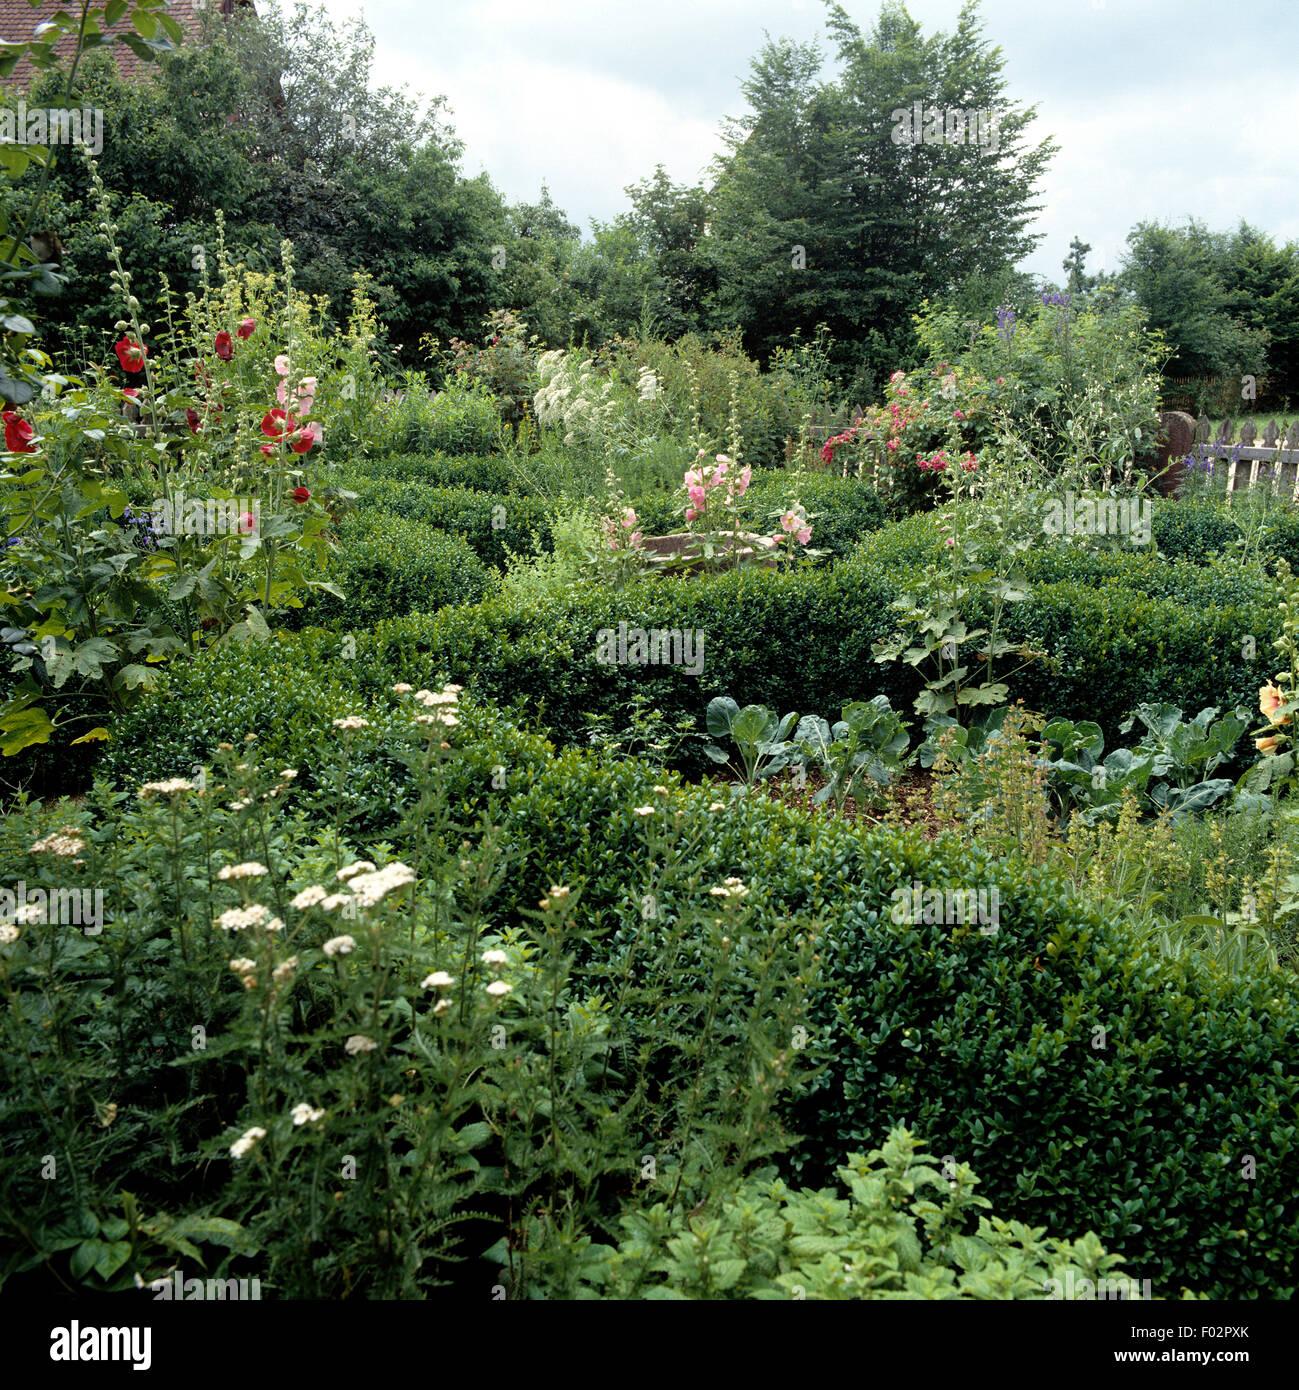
<point>1162,108</point>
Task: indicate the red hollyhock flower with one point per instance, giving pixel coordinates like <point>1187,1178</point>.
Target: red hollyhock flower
<point>247,328</point>
<point>300,494</point>
<point>268,449</point>
<point>195,420</point>
<point>224,345</point>
<point>132,391</point>
<point>302,439</point>
<point>275,423</point>
<point>131,354</point>
<point>18,433</point>
<point>247,524</point>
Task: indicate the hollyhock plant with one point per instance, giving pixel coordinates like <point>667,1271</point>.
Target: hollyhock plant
<point>224,346</point>
<point>300,494</point>
<point>130,354</point>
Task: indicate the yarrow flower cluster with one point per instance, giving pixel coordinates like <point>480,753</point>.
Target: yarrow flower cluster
<point>65,845</point>
<point>304,1114</point>
<point>168,788</point>
<point>245,1142</point>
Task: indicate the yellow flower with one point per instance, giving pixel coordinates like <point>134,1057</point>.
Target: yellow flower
<point>1270,700</point>
<point>1268,744</point>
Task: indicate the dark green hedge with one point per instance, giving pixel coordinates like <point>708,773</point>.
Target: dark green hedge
<point>486,473</point>
<point>388,565</point>
<point>491,523</point>
<point>1195,528</point>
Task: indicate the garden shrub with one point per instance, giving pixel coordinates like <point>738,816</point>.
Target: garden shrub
<point>767,1241</point>
<point>491,523</point>
<point>480,473</point>
<point>458,420</point>
<point>388,565</point>
<point>1194,528</point>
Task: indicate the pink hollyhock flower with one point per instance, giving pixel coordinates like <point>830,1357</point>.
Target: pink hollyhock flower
<point>777,538</point>
<point>194,420</point>
<point>306,395</point>
<point>694,478</point>
<point>949,541</point>
<point>804,535</point>
<point>305,436</point>
<point>723,463</point>
<point>703,453</point>
<point>247,327</point>
<point>282,365</point>
<point>789,522</point>
<point>958,415</point>
<point>268,449</point>
<point>636,538</point>
<point>629,518</point>
<point>721,458</point>
<point>697,496</point>
<point>691,513</point>
<point>247,524</point>
<point>743,481</point>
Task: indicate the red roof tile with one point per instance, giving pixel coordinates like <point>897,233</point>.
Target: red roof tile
<point>18,20</point>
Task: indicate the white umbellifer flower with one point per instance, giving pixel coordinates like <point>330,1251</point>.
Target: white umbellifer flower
<point>339,945</point>
<point>352,721</point>
<point>401,688</point>
<point>245,1142</point>
<point>241,965</point>
<point>716,806</point>
<point>643,811</point>
<point>439,979</point>
<point>359,1043</point>
<point>720,892</point>
<point>8,934</point>
<point>240,805</point>
<point>275,924</point>
<point>284,971</point>
<point>371,888</point>
<point>362,866</point>
<point>237,918</point>
<point>662,791</point>
<point>730,888</point>
<point>557,891</point>
<point>454,689</point>
<point>309,897</point>
<point>289,773</point>
<point>495,958</point>
<point>64,845</point>
<point>29,912</point>
<point>498,989</point>
<point>250,870</point>
<point>304,1114</point>
<point>167,788</point>
<point>336,900</point>
<point>441,1007</point>
<point>449,720</point>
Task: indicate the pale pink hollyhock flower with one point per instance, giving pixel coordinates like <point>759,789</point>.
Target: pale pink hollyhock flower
<point>723,463</point>
<point>282,365</point>
<point>281,393</point>
<point>693,478</point>
<point>743,481</point>
<point>691,513</point>
<point>721,458</point>
<point>703,453</point>
<point>893,443</point>
<point>805,535</point>
<point>306,394</point>
<point>697,496</point>
<point>777,538</point>
<point>636,538</point>
<point>629,518</point>
<point>789,522</point>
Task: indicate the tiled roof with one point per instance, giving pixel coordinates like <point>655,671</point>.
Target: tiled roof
<point>18,19</point>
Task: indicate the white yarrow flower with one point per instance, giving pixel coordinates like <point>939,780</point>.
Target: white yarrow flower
<point>309,897</point>
<point>250,870</point>
<point>246,1141</point>
<point>439,979</point>
<point>339,945</point>
<point>304,1114</point>
<point>359,1043</point>
<point>498,989</point>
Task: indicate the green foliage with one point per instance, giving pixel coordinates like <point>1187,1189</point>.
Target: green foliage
<point>760,738</point>
<point>900,1234</point>
<point>865,747</point>
<point>458,420</point>
<point>390,566</point>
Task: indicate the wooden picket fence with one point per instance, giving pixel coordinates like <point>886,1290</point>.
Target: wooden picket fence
<point>1270,459</point>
